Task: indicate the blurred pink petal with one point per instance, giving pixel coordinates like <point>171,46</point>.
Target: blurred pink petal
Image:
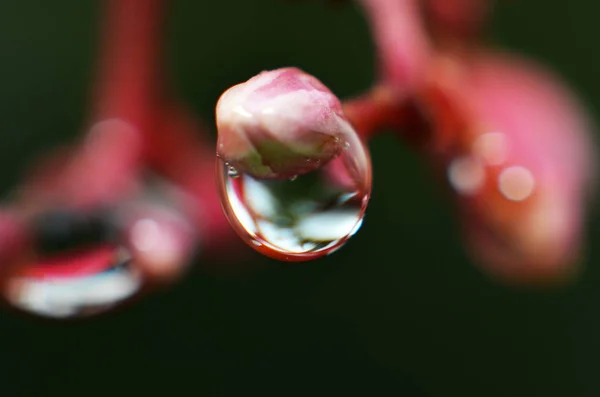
<point>516,148</point>
<point>160,240</point>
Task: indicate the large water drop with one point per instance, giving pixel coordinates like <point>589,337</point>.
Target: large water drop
<point>304,217</point>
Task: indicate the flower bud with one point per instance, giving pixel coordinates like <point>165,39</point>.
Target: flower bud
<point>516,149</point>
<point>280,124</point>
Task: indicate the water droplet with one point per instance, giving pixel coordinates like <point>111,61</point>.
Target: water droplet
<point>76,269</point>
<point>232,172</point>
<point>307,219</point>
<point>346,145</point>
<point>75,284</point>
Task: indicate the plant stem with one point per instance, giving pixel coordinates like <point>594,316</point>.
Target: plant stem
<point>129,60</point>
<point>401,42</point>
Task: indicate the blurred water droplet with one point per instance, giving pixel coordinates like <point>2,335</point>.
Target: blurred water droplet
<point>75,284</point>
<point>76,268</point>
<point>307,219</point>
<point>346,145</point>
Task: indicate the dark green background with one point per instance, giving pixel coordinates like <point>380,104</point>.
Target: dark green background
<point>400,311</point>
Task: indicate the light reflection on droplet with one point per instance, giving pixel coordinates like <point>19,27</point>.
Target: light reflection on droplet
<point>240,211</point>
<point>466,175</point>
<point>283,237</point>
<point>491,147</point>
<point>259,199</point>
<point>326,226</point>
<point>516,183</point>
<point>232,172</point>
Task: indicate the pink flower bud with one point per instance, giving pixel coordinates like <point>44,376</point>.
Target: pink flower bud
<point>515,146</point>
<point>280,124</point>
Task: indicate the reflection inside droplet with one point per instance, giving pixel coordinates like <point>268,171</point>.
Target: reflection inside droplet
<point>516,183</point>
<point>232,172</point>
<point>304,217</point>
<point>76,284</point>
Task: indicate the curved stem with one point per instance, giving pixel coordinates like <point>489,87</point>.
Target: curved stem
<point>373,111</point>
<point>401,43</point>
<point>126,89</point>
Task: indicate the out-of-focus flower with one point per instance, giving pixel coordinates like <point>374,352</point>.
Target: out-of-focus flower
<point>280,124</point>
<point>515,146</point>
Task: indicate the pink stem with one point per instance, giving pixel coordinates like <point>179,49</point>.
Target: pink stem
<point>457,21</point>
<point>107,164</point>
<point>132,87</point>
<point>129,61</point>
<point>403,52</point>
<point>400,40</point>
<point>376,110</point>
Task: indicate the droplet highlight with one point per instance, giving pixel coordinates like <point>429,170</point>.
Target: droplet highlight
<point>232,172</point>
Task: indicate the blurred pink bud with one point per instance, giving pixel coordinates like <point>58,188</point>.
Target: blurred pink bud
<point>517,150</point>
<point>160,240</point>
<point>280,124</point>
